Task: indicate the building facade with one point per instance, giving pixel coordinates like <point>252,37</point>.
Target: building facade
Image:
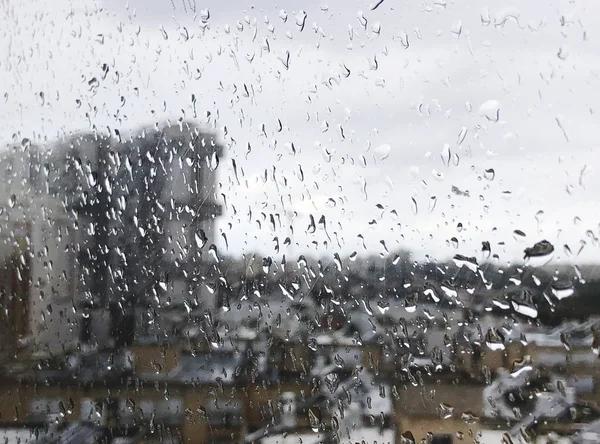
<point>117,230</point>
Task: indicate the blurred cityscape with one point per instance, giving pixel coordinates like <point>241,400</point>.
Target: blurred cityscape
<point>121,322</point>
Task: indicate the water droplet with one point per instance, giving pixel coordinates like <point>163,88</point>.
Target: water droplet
<point>489,174</point>
<point>414,205</point>
<point>446,410</point>
<point>302,263</point>
<point>410,302</point>
<point>449,290</point>
<point>469,417</point>
<point>464,261</point>
<point>563,52</point>
<point>561,388</point>
<point>454,242</point>
<point>383,151</point>
<point>332,380</point>
<point>456,28</point>
<point>490,110</point>
<point>204,15</point>
<point>562,289</point>
<point>313,420</point>
<point>301,20</point>
<point>408,438</point>
<point>525,309</point>
<point>432,203</point>
<point>461,135</point>
<point>446,155</point>
<point>494,340</point>
<point>430,292</point>
<point>540,254</point>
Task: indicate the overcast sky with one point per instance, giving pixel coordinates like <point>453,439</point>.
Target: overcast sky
<point>392,107</point>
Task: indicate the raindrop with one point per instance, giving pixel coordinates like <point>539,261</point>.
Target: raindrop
<point>494,339</point>
<point>561,388</point>
<point>461,136</point>
<point>562,289</point>
<point>469,417</point>
<point>432,294</point>
<point>446,155</point>
<point>539,216</point>
<point>468,262</point>
<point>490,110</point>
<point>449,290</point>
<point>525,309</point>
<point>362,19</point>
<point>383,151</point>
<point>213,163</point>
<point>519,235</point>
<point>404,40</point>
<point>302,263</point>
<point>407,438</point>
<point>93,83</point>
<point>432,203</point>
<point>301,20</point>
<point>337,261</point>
<point>486,248</point>
<point>376,5</point>
<point>456,28</point>
<point>540,254</point>
<point>414,206</point>
<point>313,420</point>
<point>520,366</point>
<point>204,15</point>
<point>446,411</point>
<point>563,52</point>
<point>410,302</point>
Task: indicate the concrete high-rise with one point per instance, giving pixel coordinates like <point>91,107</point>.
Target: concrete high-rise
<point>118,231</point>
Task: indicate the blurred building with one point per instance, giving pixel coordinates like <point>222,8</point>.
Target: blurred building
<point>115,232</point>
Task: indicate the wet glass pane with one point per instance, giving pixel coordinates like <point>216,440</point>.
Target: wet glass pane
<point>299,222</point>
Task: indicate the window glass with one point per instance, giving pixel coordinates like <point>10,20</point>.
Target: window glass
<point>260,221</point>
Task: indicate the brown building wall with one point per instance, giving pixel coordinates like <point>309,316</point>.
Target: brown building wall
<point>14,303</point>
<point>155,358</point>
<point>198,405</point>
<point>291,357</point>
<point>425,400</point>
<point>422,427</point>
<point>493,359</point>
<point>16,400</point>
<point>262,403</point>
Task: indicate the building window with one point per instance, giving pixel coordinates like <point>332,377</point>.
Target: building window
<point>288,409</point>
<point>440,439</point>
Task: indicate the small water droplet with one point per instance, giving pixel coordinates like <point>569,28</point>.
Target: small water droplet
<point>519,235</point>
<point>414,205</point>
<point>489,174</point>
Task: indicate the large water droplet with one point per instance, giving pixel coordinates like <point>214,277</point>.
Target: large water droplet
<point>490,110</point>
<point>494,339</point>
<point>382,152</point>
<point>562,289</point>
<point>540,254</point>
